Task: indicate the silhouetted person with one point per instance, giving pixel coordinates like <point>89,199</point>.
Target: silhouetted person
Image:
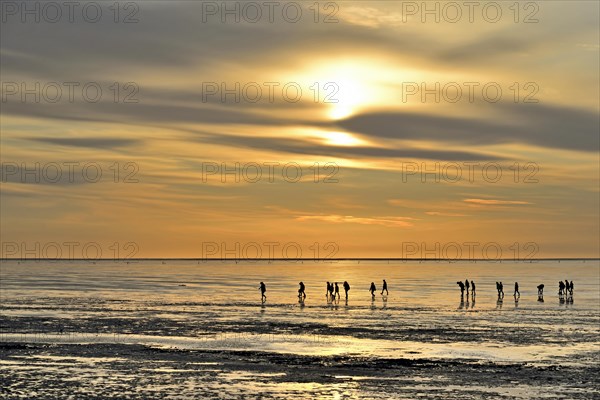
<point>328,293</point>
<point>501,287</point>
<point>337,291</point>
<point>372,289</point>
<point>561,287</point>
<point>517,289</point>
<point>301,292</point>
<point>263,289</point>
<point>540,289</point>
<point>472,288</point>
<point>462,288</point>
<point>498,288</point>
<point>571,288</point>
<point>385,289</point>
<point>567,286</point>
<point>467,286</point>
<point>346,288</point>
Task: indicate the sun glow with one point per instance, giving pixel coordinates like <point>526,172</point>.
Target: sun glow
<point>350,95</point>
<point>343,86</point>
<point>341,139</point>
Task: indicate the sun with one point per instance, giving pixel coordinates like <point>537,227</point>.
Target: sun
<point>350,95</point>
<point>344,87</point>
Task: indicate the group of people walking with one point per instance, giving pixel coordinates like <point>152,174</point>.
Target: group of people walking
<point>332,293</point>
<point>565,287</point>
<point>467,286</point>
<point>333,289</point>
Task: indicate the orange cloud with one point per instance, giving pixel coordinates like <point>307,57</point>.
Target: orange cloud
<point>385,221</point>
<point>492,202</point>
<point>445,214</point>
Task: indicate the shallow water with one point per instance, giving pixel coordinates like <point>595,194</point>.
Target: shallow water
<point>211,312</point>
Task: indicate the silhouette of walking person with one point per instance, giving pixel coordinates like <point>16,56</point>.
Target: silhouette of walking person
<point>472,288</point>
<point>498,288</point>
<point>571,288</point>
<point>346,288</point>
<point>462,288</point>
<point>328,293</point>
<point>372,289</point>
<point>384,289</point>
<point>301,292</point>
<point>561,287</point>
<point>467,286</point>
<point>263,289</point>
<point>337,291</point>
<point>517,289</point>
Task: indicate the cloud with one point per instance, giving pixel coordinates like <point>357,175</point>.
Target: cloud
<point>368,16</point>
<point>533,124</point>
<point>93,143</point>
<point>445,214</point>
<point>491,202</point>
<point>298,146</point>
<point>403,222</point>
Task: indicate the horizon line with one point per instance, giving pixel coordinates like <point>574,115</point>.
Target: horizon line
<point>305,259</point>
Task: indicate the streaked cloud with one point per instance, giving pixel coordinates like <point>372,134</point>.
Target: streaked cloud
<point>404,222</point>
<point>494,202</point>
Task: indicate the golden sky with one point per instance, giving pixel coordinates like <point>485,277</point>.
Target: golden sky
<point>373,126</point>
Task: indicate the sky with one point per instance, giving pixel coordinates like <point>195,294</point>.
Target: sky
<point>310,129</point>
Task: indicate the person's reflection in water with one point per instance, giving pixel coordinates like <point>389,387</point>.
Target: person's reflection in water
<point>472,300</point>
<point>561,300</point>
<point>499,302</point>
<point>462,302</point>
<point>517,301</point>
<point>384,299</point>
<point>541,298</point>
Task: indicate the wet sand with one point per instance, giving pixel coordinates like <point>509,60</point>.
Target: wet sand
<point>107,371</point>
